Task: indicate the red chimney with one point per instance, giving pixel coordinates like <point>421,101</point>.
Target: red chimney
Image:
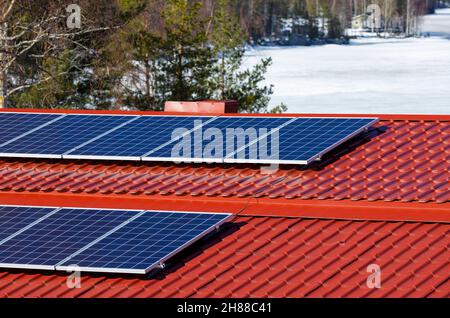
<point>203,106</point>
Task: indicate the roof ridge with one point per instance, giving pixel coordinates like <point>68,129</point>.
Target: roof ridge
<point>394,117</point>
<point>245,206</point>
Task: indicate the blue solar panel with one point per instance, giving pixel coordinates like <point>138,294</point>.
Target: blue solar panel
<point>127,241</point>
<point>238,139</point>
<point>63,135</point>
<point>15,124</point>
<point>145,242</point>
<point>307,139</point>
<point>58,236</point>
<point>137,138</point>
<point>14,219</point>
<point>217,139</point>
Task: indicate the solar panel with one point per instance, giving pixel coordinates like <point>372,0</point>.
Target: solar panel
<point>226,134</point>
<point>46,243</point>
<point>13,125</point>
<point>97,240</point>
<point>68,132</point>
<point>137,138</point>
<point>237,139</point>
<point>13,219</point>
<point>307,139</point>
<point>144,243</point>
<point>299,140</point>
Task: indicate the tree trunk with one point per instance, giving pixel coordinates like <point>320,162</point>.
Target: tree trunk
<point>3,90</point>
<point>431,6</point>
<point>407,17</point>
<point>3,71</point>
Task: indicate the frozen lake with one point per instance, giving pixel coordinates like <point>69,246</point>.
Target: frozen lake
<point>368,76</point>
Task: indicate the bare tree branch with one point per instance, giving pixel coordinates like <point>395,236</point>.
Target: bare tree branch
<point>7,11</point>
<point>35,39</point>
<point>41,81</point>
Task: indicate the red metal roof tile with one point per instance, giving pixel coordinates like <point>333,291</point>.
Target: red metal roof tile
<point>403,159</point>
<point>406,161</point>
<point>279,257</point>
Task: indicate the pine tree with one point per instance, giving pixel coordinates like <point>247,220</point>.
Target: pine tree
<point>163,50</point>
<point>187,59</point>
<point>195,56</point>
<point>229,80</point>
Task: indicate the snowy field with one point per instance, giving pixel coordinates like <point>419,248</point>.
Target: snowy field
<point>368,76</point>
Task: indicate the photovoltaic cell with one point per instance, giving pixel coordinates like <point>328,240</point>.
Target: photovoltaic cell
<point>145,242</point>
<point>13,218</point>
<point>58,236</point>
<point>237,139</point>
<point>13,125</point>
<point>309,138</point>
<point>63,135</point>
<point>306,139</point>
<point>97,240</point>
<point>217,139</point>
<point>137,138</point>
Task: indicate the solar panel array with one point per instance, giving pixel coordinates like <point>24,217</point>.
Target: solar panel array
<point>120,241</point>
<point>136,138</point>
<point>245,139</point>
<point>15,125</point>
<point>144,242</point>
<point>62,135</point>
<point>308,139</point>
<point>198,151</point>
<point>130,241</point>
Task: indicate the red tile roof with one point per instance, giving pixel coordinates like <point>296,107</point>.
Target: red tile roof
<point>396,161</point>
<point>279,257</point>
<point>382,199</point>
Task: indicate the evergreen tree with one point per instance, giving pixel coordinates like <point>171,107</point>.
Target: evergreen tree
<point>152,51</point>
<point>186,59</point>
<point>229,81</point>
<point>193,56</point>
<point>335,29</point>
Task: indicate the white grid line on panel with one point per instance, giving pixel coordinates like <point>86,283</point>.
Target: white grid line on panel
<point>168,235</point>
<point>313,132</point>
<point>183,135</point>
<point>32,130</point>
<point>67,259</point>
<point>54,237</point>
<point>29,226</point>
<point>261,137</point>
<point>340,142</point>
<point>47,143</point>
<point>112,266</point>
<point>101,135</point>
<point>123,234</point>
<point>190,242</point>
<point>55,227</point>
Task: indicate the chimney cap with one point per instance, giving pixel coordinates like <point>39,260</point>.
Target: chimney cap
<point>202,106</point>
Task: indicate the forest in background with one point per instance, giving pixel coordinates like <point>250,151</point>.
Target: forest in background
<point>136,54</point>
<point>263,19</point>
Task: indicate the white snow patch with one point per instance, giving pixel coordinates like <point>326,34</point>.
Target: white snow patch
<point>368,76</point>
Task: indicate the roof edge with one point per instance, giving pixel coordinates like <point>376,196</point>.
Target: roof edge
<point>256,207</point>
<point>399,117</point>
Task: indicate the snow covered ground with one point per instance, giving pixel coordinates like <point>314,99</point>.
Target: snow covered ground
<point>368,76</point>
